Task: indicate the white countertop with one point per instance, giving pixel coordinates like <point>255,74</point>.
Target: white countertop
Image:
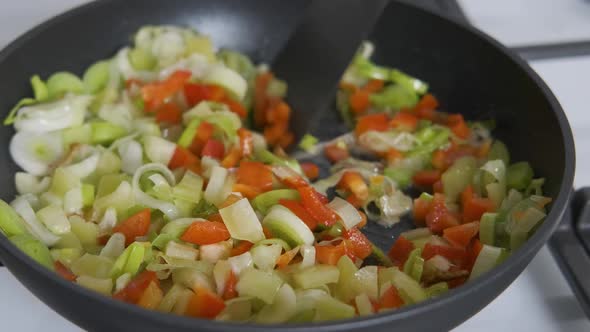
<point>540,299</point>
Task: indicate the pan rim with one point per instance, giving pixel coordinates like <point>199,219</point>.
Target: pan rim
<point>532,244</point>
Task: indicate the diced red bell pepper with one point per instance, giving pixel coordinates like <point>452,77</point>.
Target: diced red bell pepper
<point>458,126</point>
<point>426,178</point>
<point>286,258</point>
<point>437,187</point>
<point>358,243</point>
<point>421,208</point>
<point>474,207</point>
<point>235,107</point>
<point>392,155</point>
<point>63,271</point>
<point>313,204</point>
<point>400,251</point>
<point>330,254</point>
<point>204,132</point>
<point>205,232</point>
<point>229,291</point>
<point>390,299</point>
<point>232,158</point>
<point>261,102</point>
<point>300,211</point>
<point>155,94</point>
<point>204,304</point>
<point>241,248</point>
<point>136,287</point>
<point>182,158</point>
<point>374,85</point>
<point>214,149</point>
<point>376,122</point>
<point>461,235</point>
<point>336,152</point>
<point>169,113</point>
<point>247,191</point>
<point>439,218</point>
<point>255,174</point>
<point>473,251</point>
<point>354,183</point>
<point>246,142</point>
<point>359,101</point>
<point>454,254</point>
<point>196,93</point>
<point>134,226</point>
<point>311,170</point>
<point>404,121</point>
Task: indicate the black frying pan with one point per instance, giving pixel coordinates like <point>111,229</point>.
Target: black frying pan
<point>469,72</point>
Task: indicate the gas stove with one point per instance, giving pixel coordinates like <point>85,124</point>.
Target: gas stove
<point>555,38</point>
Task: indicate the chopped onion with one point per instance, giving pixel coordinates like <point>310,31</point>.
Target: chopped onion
<point>114,247</point>
<point>265,257</point>
<point>221,272</point>
<point>35,152</point>
<point>122,281</point>
<point>158,150</point>
<point>108,221</point>
<point>215,192</point>
<point>73,200</point>
<point>242,222</point>
<point>126,69</point>
<point>41,118</point>
<point>197,64</point>
<point>240,262</point>
<point>169,209</point>
<point>119,114</point>
<point>84,168</point>
<point>216,251</point>
<point>378,141</point>
<point>182,251</point>
<point>23,208</point>
<point>308,253</point>
<point>30,184</point>
<point>54,218</point>
<point>349,215</point>
<point>131,154</point>
<point>227,78</point>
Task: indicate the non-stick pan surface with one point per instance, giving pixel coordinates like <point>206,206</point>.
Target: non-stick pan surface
<point>468,71</point>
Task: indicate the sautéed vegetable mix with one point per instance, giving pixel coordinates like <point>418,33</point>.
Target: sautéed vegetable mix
<point>159,178</point>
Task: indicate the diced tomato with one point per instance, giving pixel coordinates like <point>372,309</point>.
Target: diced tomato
<point>204,133</point>
<point>232,159</point>
<point>169,113</point>
<point>250,192</point>
<point>261,102</point>
<point>241,248</point>
<point>354,183</point>
<point>426,178</point>
<point>204,304</point>
<point>458,126</point>
<point>313,204</point>
<point>151,297</point>
<point>390,299</point>
<point>300,211</point>
<point>392,155</point>
<point>400,251</point>
<point>474,207</point>
<point>63,271</point>
<point>136,287</point>
<point>426,107</point>
<point>374,85</point>
<point>376,122</point>
<point>358,243</point>
<point>336,152</point>
<point>454,254</point>
<point>439,218</point>
<point>182,158</point>
<point>196,93</point>
<point>359,101</point>
<point>255,174</point>
<point>404,121</point>
<point>330,254</point>
<point>286,258</point>
<point>461,235</point>
<point>155,94</point>
<point>229,291</point>
<point>421,208</point>
<point>214,149</point>
<point>311,170</point>
<point>205,232</point>
<point>134,226</point>
<point>246,142</point>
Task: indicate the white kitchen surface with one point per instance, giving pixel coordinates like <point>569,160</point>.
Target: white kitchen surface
<point>540,299</point>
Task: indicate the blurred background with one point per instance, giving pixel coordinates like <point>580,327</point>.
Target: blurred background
<point>553,36</point>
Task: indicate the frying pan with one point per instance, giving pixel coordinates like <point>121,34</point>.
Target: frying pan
<point>468,71</point>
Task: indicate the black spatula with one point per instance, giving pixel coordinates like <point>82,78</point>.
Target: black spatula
<point>318,53</point>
